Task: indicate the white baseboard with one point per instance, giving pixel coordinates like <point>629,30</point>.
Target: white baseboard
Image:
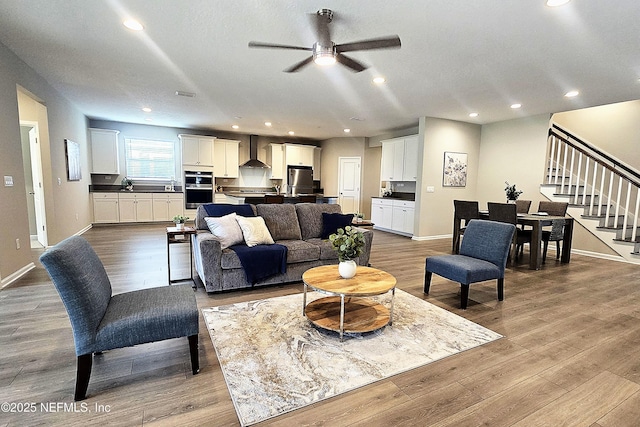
<point>16,275</point>
<point>84,230</point>
<point>421,238</point>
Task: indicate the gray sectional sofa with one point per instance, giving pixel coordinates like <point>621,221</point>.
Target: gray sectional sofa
<point>298,227</point>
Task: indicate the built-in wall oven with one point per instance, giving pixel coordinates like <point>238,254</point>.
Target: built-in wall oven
<point>198,188</point>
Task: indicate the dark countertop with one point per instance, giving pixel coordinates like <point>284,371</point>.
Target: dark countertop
<point>136,189</point>
<point>411,197</point>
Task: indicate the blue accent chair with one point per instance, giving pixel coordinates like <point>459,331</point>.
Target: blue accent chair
<point>483,256</point>
<point>101,321</point>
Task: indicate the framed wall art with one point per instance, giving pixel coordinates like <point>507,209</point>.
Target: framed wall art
<point>454,173</point>
<point>72,154</point>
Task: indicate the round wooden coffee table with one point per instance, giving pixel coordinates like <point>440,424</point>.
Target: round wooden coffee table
<point>347,308</point>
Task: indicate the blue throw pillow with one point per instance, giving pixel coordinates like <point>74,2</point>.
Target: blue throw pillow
<point>332,221</point>
<point>222,209</point>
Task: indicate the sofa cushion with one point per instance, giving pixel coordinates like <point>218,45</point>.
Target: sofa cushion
<point>310,218</point>
<point>332,221</point>
<point>326,249</point>
<point>300,251</point>
<point>226,230</point>
<point>255,231</point>
<point>281,220</point>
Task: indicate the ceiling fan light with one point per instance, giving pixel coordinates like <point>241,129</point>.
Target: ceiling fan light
<point>324,55</point>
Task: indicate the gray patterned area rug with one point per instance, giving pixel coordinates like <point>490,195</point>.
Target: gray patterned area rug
<point>275,361</point>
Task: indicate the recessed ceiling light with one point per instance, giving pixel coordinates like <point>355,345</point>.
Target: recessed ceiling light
<point>268,124</point>
<point>185,94</point>
<point>347,130</point>
<point>556,3</point>
<point>572,93</point>
<point>379,80</point>
<point>291,132</point>
<point>235,127</point>
<point>146,109</point>
<point>516,106</point>
<point>134,25</point>
<point>473,114</point>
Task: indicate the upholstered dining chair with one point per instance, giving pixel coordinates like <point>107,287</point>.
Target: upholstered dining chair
<point>522,206</point>
<point>464,211</point>
<point>556,233</point>
<point>102,321</point>
<point>483,256</point>
<point>508,212</point>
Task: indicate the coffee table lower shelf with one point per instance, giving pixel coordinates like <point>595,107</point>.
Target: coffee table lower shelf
<point>360,314</point>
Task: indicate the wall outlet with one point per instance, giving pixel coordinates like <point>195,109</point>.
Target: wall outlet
<point>17,244</point>
<point>77,216</point>
<point>59,181</point>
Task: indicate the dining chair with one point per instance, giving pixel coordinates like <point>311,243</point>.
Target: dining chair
<point>483,256</point>
<point>464,210</point>
<point>522,206</point>
<point>274,198</point>
<point>101,321</point>
<point>508,212</point>
<point>556,233</point>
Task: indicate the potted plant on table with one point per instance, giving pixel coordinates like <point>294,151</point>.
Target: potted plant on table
<point>512,193</point>
<point>349,243</point>
<point>179,221</point>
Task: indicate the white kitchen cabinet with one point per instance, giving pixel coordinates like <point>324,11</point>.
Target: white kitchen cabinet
<point>403,215</point>
<point>226,158</point>
<point>135,207</point>
<point>105,208</point>
<point>382,213</point>
<point>400,159</point>
<point>104,151</point>
<point>276,153</point>
<point>392,160</point>
<point>317,156</point>
<point>197,150</point>
<point>166,206</point>
<point>299,155</point>
<point>393,215</point>
<point>410,170</point>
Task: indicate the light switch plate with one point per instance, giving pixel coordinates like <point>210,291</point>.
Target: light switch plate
<point>431,189</point>
<point>8,181</point>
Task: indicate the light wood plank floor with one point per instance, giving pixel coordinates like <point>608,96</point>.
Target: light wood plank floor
<point>570,356</point>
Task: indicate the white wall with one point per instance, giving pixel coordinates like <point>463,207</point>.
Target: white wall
<point>434,211</point>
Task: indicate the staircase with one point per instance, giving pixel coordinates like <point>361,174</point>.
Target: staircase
<point>603,193</point>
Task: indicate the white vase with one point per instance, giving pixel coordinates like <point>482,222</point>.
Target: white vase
<point>347,269</point>
<point>180,225</point>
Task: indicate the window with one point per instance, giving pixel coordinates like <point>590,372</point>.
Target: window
<point>149,159</point>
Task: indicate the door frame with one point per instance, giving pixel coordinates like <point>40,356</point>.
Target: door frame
<point>35,156</point>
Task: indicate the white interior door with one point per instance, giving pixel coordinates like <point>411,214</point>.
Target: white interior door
<point>38,193</point>
<point>349,184</point>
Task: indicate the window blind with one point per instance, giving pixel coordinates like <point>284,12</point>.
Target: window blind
<point>149,159</point>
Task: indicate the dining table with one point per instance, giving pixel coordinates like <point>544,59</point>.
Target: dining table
<point>537,221</point>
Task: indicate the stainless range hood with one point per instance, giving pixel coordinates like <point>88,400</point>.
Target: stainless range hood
<point>253,161</point>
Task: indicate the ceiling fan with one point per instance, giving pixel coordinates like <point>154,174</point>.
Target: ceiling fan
<point>326,52</point>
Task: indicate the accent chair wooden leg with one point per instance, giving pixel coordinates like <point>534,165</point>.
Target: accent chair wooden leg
<point>427,281</point>
<point>83,374</point>
<point>558,252</point>
<point>545,246</point>
<point>464,296</point>
<point>500,289</point>
<point>195,357</point>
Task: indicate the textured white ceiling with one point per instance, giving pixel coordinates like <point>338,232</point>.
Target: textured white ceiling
<point>457,56</point>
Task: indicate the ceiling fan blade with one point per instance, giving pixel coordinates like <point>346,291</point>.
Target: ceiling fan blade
<point>320,21</point>
<point>370,44</point>
<point>277,46</point>
<point>354,65</point>
<point>296,67</point>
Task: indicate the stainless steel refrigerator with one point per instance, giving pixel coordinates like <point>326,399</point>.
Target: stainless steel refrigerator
<point>299,180</point>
